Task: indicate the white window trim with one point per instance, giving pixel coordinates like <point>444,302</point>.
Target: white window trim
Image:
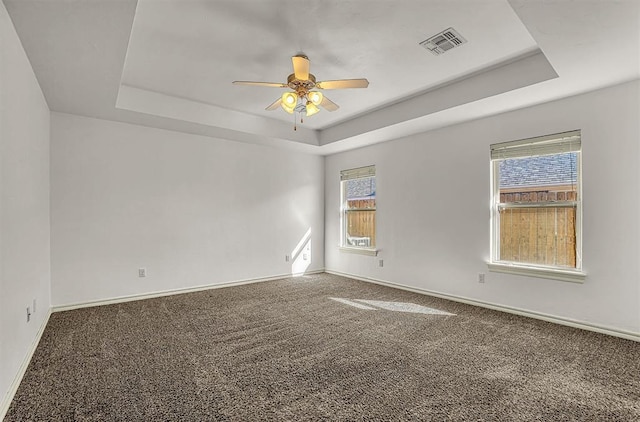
<point>357,250</point>
<point>576,275</point>
<point>355,173</point>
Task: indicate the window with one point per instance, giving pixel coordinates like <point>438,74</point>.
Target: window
<point>358,208</point>
<point>537,207</point>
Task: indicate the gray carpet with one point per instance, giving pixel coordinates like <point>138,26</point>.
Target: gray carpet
<point>302,349</point>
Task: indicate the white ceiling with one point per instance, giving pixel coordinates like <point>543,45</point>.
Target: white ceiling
<point>195,49</point>
<point>170,63</point>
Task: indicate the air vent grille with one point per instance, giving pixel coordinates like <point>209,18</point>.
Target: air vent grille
<point>443,42</point>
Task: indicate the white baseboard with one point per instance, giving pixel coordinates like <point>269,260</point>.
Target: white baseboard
<point>6,402</point>
<point>8,397</point>
<point>142,296</point>
<point>629,335</point>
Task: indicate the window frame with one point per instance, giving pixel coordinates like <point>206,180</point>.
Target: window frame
<point>535,270</point>
<point>345,176</point>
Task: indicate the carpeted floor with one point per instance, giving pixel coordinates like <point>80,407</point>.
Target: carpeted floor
<point>322,347</point>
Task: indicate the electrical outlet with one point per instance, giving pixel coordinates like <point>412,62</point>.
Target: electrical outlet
<point>28,314</point>
<point>380,263</point>
<point>480,278</point>
<point>287,258</point>
<point>142,272</point>
<point>305,256</point>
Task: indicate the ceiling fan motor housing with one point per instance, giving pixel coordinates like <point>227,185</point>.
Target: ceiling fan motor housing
<point>301,87</point>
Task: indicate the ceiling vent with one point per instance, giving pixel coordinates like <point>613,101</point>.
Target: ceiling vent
<point>443,42</point>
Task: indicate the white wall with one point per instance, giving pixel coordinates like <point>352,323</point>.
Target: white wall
<point>192,210</point>
<point>433,209</point>
<point>24,205</point>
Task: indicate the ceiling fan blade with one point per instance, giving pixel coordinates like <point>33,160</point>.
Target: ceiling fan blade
<point>301,67</point>
<point>329,105</point>
<point>274,104</point>
<point>252,83</point>
<point>343,83</point>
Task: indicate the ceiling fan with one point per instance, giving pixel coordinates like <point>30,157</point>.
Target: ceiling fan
<point>304,99</point>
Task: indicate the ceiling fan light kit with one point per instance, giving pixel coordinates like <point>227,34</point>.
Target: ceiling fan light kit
<point>311,109</point>
<point>289,101</point>
<point>315,97</point>
<point>303,99</point>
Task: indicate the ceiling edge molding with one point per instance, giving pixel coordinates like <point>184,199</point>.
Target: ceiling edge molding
<point>524,71</point>
<point>162,105</point>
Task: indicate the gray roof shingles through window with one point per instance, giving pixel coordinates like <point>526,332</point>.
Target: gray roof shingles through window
<point>546,170</point>
<point>363,188</point>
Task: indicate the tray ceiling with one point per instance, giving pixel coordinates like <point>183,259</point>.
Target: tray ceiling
<point>170,64</point>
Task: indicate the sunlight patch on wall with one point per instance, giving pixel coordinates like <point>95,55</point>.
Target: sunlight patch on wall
<point>301,255</point>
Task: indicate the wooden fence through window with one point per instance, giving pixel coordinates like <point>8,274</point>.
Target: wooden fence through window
<point>539,235</point>
<point>361,219</point>
<point>536,235</point>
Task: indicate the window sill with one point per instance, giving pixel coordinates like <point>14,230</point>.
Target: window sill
<point>574,276</point>
<point>361,251</point>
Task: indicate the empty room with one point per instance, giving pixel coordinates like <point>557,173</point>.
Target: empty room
<point>298,210</point>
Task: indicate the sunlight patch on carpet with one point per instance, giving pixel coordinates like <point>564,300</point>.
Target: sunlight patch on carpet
<point>374,305</point>
<point>403,307</point>
<point>354,304</point>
